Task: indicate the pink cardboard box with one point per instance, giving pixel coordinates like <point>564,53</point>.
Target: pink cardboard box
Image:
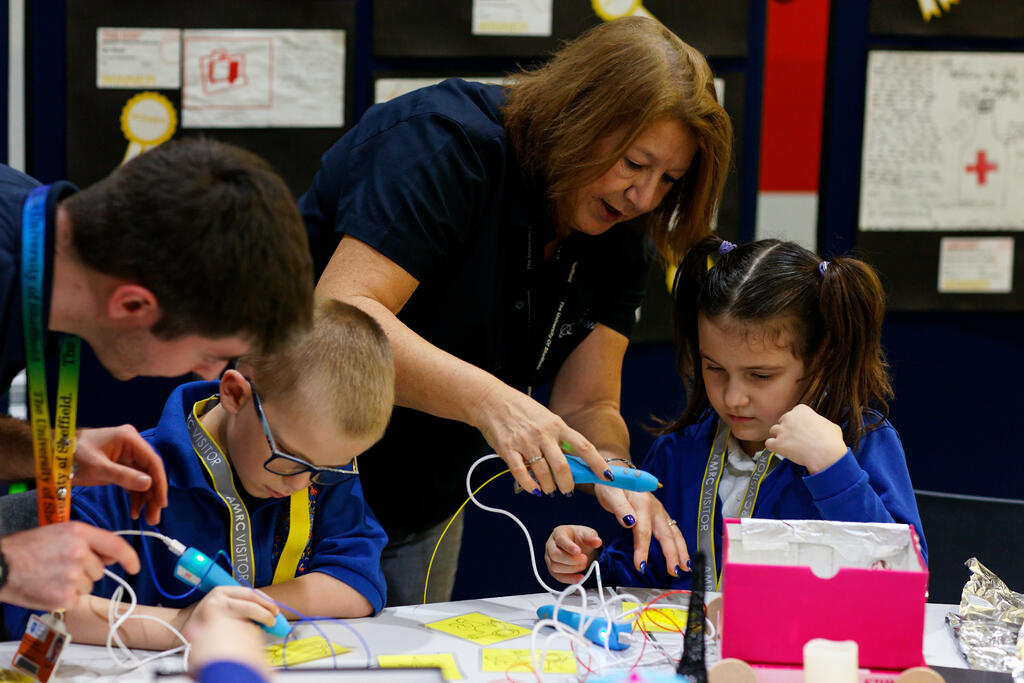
<point>786,582</point>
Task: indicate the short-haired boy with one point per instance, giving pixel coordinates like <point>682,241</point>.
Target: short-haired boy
<point>320,401</point>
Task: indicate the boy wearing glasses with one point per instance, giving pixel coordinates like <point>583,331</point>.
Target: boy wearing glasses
<point>261,468</point>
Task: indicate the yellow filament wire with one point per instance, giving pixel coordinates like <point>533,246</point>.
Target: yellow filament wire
<point>426,581</point>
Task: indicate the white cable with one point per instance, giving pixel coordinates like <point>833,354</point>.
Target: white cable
<point>562,630</point>
<point>515,519</point>
<point>117,619</point>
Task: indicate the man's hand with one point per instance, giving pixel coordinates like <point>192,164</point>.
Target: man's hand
<point>50,567</point>
<point>118,455</point>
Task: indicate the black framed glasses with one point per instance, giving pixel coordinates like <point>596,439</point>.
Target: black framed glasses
<point>288,465</point>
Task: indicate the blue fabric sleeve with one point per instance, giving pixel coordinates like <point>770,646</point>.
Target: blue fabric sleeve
<point>220,671</point>
<point>348,542</point>
<point>412,191</point>
<point>873,486</point>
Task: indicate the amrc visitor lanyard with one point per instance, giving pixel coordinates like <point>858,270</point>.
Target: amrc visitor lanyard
<point>239,526</point>
<point>53,451</point>
<point>763,464</point>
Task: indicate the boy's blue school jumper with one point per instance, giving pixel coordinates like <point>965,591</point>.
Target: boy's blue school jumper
<point>871,486</point>
<point>346,540</point>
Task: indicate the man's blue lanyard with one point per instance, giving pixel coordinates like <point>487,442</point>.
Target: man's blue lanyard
<point>53,450</point>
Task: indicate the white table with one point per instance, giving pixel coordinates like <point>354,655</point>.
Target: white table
<point>400,631</point>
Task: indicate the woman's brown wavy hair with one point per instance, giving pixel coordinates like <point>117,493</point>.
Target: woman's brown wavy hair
<point>620,76</point>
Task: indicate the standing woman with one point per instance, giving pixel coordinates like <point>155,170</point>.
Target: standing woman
<point>501,238</point>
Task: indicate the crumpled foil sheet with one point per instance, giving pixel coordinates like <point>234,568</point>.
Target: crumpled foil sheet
<point>988,627</point>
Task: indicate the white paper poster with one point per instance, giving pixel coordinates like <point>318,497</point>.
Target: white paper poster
<point>979,266</point>
<point>136,58</point>
<point>512,17</point>
<point>385,89</point>
<point>943,142</point>
<point>263,78</point>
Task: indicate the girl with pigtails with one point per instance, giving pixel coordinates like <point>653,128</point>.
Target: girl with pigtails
<point>786,411</point>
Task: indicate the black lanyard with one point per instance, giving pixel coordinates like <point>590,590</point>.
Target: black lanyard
<point>559,308</point>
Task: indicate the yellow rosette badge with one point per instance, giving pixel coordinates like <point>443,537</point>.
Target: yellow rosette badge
<point>147,120</point>
<point>613,9</point>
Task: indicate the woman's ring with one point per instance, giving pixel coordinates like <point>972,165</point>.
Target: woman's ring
<point>671,522</point>
<point>533,460</point>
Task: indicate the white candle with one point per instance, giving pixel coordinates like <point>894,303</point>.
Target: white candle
<point>830,661</point>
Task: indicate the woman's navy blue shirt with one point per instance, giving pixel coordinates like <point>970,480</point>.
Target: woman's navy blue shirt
<point>430,181</point>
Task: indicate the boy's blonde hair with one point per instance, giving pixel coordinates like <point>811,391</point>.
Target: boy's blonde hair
<point>343,362</point>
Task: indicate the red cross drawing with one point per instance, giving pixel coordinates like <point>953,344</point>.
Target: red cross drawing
<point>982,167</point>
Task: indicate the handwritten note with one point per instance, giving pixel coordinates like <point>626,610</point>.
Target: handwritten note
<point>479,628</point>
<point>443,661</point>
<point>303,650</point>
<point>511,659</point>
<point>943,141</point>
<point>658,619</point>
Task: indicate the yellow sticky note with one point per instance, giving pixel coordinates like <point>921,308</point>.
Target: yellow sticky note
<point>444,661</point>
<point>658,619</point>
<point>303,650</point>
<point>511,660</point>
<point>479,628</point>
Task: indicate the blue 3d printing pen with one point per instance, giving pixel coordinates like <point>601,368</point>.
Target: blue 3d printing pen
<point>598,630</point>
<point>625,477</point>
<point>196,569</point>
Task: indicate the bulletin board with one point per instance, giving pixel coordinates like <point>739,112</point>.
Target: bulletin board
<point>978,18</point>
<point>940,213</point>
<point>242,74</point>
<point>715,27</point>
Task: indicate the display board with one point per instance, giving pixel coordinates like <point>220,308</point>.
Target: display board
<point>270,77</point>
<point>943,158</point>
<point>524,28</point>
<point>976,18</point>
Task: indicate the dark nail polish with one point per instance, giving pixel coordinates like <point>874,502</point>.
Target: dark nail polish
<point>568,494</point>
<point>628,519</point>
<point>678,570</point>
<point>608,475</point>
<point>551,495</point>
<point>538,492</point>
<point>688,565</point>
<point>643,567</point>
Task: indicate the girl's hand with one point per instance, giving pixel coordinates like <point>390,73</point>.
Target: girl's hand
<point>806,438</point>
<point>236,601</point>
<point>645,514</point>
<point>570,550</point>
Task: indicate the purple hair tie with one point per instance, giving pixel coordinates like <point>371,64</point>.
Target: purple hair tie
<point>725,247</point>
<point>822,267</point>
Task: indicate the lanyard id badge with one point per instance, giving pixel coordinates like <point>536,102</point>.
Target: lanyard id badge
<point>764,463</point>
<point>44,641</point>
<point>52,450</point>
<point>216,464</point>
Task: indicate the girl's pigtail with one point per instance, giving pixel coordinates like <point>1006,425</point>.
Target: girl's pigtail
<point>851,366</point>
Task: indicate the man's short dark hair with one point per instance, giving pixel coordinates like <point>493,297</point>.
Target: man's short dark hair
<point>212,230</point>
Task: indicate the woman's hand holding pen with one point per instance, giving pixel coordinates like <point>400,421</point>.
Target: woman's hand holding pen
<point>530,438</point>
